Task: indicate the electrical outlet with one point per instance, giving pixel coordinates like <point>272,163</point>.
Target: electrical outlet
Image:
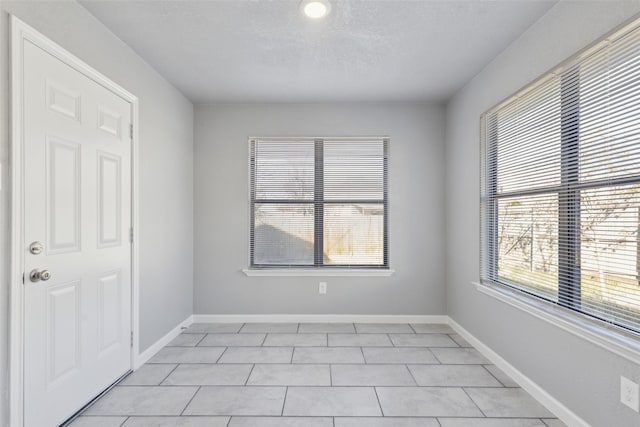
<point>322,288</point>
<point>629,393</point>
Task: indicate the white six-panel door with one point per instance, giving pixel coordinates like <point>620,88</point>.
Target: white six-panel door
<point>77,204</point>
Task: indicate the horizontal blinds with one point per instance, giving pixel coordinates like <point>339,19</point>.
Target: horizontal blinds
<point>319,202</point>
<point>354,171</point>
<point>561,185</point>
<point>355,203</point>
<point>285,170</point>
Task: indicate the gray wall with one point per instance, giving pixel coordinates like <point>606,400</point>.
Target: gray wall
<point>416,212</point>
<point>166,167</point>
<point>581,375</point>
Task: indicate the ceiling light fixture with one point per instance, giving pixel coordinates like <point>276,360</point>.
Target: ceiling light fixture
<point>315,9</point>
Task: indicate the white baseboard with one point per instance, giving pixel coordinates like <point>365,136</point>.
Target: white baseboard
<point>569,417</point>
<point>318,318</point>
<point>147,354</point>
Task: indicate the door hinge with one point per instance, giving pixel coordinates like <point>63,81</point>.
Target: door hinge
<point>131,131</point>
<point>131,338</point>
<point>131,235</point>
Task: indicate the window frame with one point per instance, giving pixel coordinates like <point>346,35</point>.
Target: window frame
<point>318,202</point>
<point>566,309</point>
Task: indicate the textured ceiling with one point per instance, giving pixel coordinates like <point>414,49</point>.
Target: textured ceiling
<point>365,50</point>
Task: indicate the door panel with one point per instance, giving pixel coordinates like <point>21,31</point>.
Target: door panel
<point>109,200</point>
<point>63,327</point>
<point>77,202</point>
<point>62,100</point>
<point>109,311</point>
<point>63,196</point>
<point>110,122</point>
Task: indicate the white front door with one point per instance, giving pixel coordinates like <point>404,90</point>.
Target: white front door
<point>77,205</point>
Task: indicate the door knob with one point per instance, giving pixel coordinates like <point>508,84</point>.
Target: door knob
<point>36,248</point>
<point>36,276</point>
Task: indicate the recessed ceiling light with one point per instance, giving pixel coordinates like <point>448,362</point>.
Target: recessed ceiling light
<point>315,9</point>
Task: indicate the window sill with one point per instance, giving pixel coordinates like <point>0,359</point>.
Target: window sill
<point>610,338</point>
<point>363,272</point>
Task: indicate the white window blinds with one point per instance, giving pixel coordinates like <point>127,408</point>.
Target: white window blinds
<point>560,196</point>
<point>318,202</point>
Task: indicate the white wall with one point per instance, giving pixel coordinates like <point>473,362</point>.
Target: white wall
<point>166,167</point>
<point>416,210</point>
<point>581,375</point>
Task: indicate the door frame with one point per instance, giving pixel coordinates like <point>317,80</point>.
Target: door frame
<point>20,33</point>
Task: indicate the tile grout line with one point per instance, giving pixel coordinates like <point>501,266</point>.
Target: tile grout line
<point>201,339</point>
<point>190,400</point>
<point>168,386</point>
<point>167,376</point>
<point>221,354</point>
<point>264,340</point>
<point>284,401</point>
<point>411,373</point>
<point>496,378</point>
<point>375,390</point>
<point>390,340</point>
<point>122,423</point>
<point>330,375</point>
<point>249,376</point>
<point>474,402</point>
<point>241,326</point>
<point>435,356</point>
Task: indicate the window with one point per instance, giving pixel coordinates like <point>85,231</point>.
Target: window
<point>560,196</point>
<point>318,203</point>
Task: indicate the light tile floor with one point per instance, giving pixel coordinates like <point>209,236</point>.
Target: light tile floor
<point>317,375</point>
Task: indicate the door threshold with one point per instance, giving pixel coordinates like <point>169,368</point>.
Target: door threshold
<point>72,418</point>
